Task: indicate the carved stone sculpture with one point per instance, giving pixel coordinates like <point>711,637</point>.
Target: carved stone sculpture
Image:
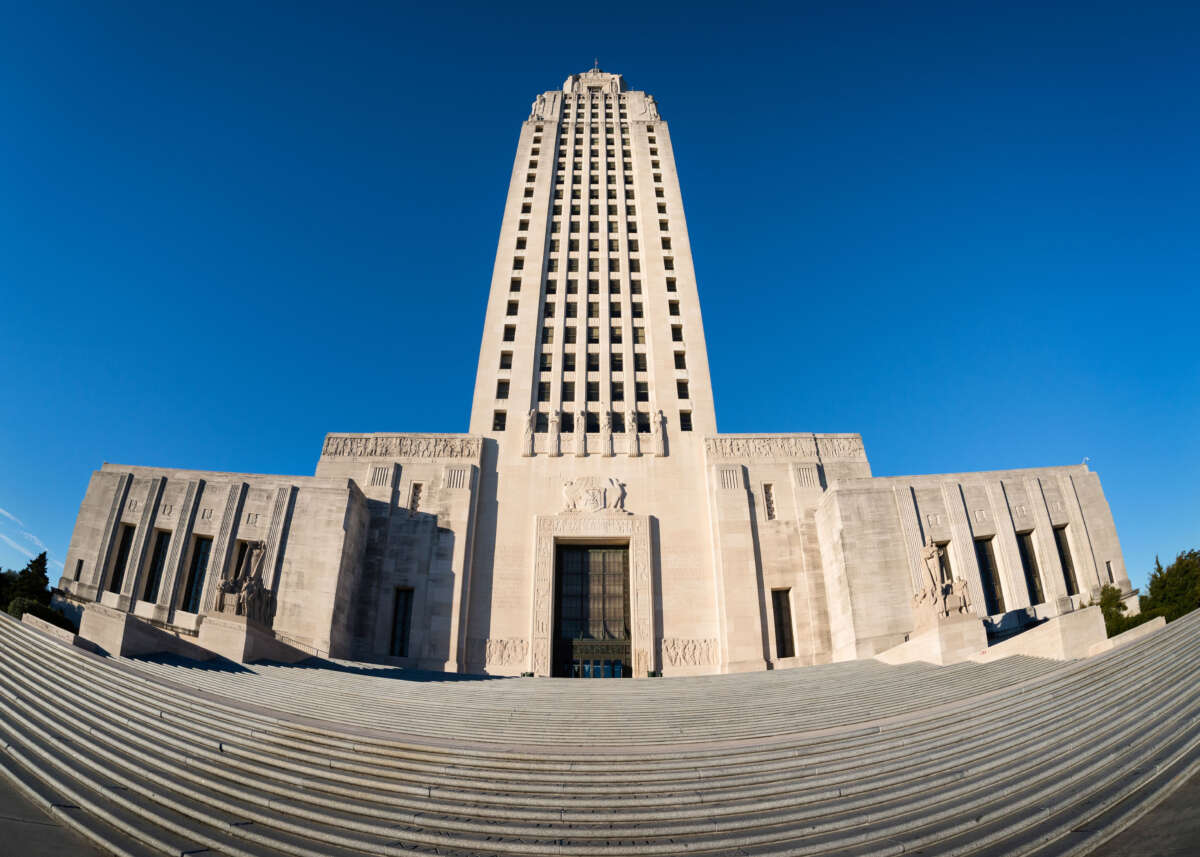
<point>581,433</point>
<point>631,431</point>
<point>244,594</point>
<point>527,438</point>
<point>658,428</point>
<point>555,439</point>
<point>593,494</point>
<point>681,651</point>
<point>606,440</point>
<point>938,600</point>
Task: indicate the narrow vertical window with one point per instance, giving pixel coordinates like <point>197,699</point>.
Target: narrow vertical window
<point>158,560</point>
<point>79,570</point>
<point>414,498</point>
<point>197,569</point>
<point>118,571</point>
<point>401,622</point>
<point>781,601</point>
<point>769,500</point>
<point>993,595</point>
<point>1033,580</point>
<point>1107,569</point>
<point>1064,556</point>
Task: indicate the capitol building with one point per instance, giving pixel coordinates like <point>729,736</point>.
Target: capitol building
<point>592,521</point>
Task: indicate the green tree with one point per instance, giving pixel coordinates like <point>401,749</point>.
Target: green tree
<point>1112,607</point>
<point>1174,590</point>
<point>32,581</point>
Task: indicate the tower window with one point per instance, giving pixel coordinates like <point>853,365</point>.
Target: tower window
<point>505,359</point>
<point>512,308</point>
<point>782,608</point>
<point>514,285</point>
<point>543,391</point>
<point>680,360</point>
<point>1064,557</point>
<point>401,622</point>
<point>670,284</point>
<point>673,307</point>
<point>498,419</point>
<point>568,391</point>
<point>510,332</point>
<point>642,391</point>
<point>677,333</point>
<point>1033,581</point>
<point>685,420</point>
<point>681,387</point>
<point>993,595</point>
<point>501,389</point>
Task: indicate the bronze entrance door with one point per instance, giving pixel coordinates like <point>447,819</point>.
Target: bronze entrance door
<point>591,615</point>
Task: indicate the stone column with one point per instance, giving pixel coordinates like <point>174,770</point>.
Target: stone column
<point>962,544</point>
<point>1052,576</point>
<point>177,549</point>
<point>910,525</point>
<point>1007,553</point>
<point>281,510</point>
<point>223,544</point>
<point>1086,567</point>
<point>112,524</point>
<point>131,584</point>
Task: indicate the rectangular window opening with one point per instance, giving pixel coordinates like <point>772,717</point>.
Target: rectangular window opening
<point>781,601</point>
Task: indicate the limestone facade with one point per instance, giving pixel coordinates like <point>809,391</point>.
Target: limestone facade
<point>592,424</point>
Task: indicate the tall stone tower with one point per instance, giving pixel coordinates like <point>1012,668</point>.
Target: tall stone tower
<point>593,305</point>
<point>593,375</point>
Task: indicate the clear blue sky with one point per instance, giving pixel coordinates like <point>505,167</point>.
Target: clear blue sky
<point>970,232</point>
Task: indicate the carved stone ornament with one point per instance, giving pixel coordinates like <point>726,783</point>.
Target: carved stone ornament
<point>811,447</point>
<point>681,652</point>
<point>244,593</point>
<point>936,601</point>
<point>498,653</point>
<point>403,446</point>
<point>593,494</point>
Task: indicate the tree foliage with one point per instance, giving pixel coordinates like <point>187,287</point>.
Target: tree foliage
<point>28,591</point>
<point>1174,590</point>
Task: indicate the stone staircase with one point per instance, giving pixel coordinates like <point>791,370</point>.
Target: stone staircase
<point>1021,756</point>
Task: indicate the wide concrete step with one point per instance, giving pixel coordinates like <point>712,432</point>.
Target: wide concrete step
<point>757,760</point>
<point>1038,760</point>
<point>761,777</point>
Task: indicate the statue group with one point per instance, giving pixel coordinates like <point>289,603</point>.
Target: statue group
<point>939,598</point>
<point>244,594</point>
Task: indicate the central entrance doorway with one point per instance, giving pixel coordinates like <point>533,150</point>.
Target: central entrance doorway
<point>591,612</point>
